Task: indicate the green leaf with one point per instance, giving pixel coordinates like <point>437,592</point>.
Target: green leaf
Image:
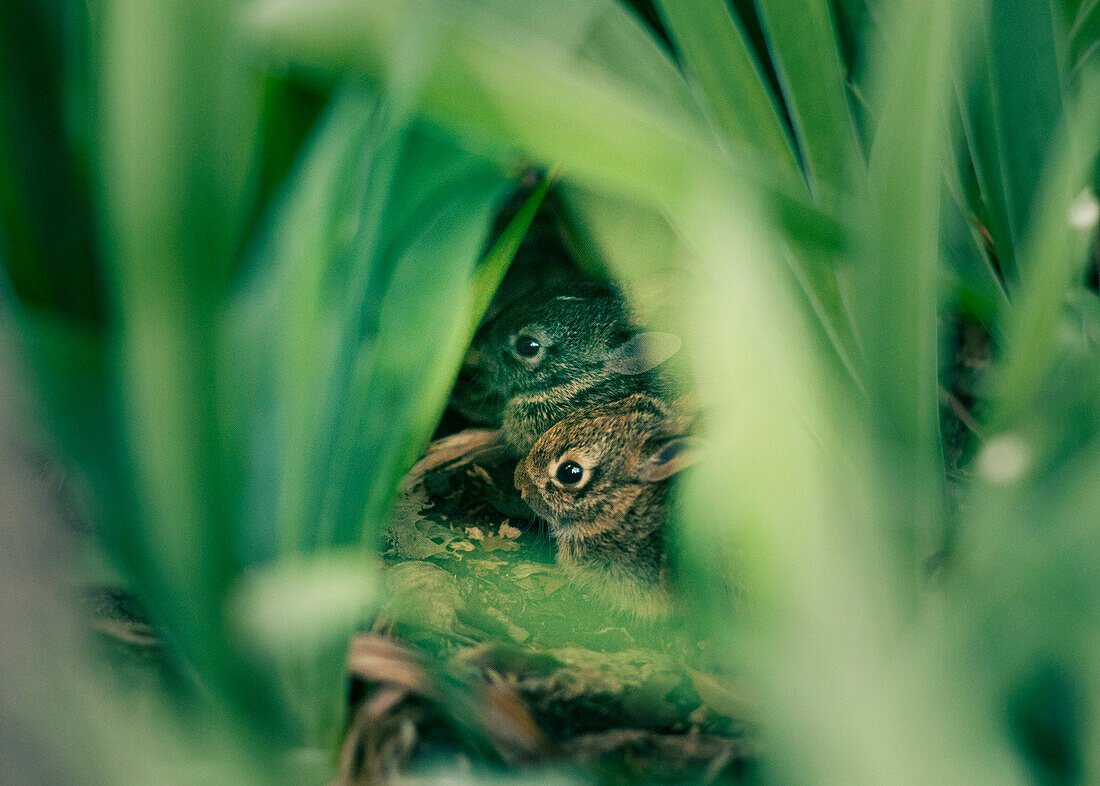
<point>358,312</point>
<point>898,280</point>
<point>719,58</point>
<point>48,251</point>
<point>351,326</point>
<point>494,81</point>
<point>176,112</point>
<point>70,367</point>
<point>971,279</point>
<point>802,40</point>
<point>1027,51</point>
<point>1025,557</point>
<point>1053,256</point>
<point>975,104</point>
<point>1085,37</point>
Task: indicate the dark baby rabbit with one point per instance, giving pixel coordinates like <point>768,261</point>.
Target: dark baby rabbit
<point>600,479</point>
<point>552,352</point>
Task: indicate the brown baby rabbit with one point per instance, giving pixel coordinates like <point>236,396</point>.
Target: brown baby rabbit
<point>553,352</point>
<point>600,479</point>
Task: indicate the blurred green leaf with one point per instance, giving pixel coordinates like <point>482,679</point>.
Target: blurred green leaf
<point>73,374</point>
<point>1053,255</point>
<point>988,206</point>
<point>973,280</point>
<point>503,85</point>
<point>898,281</point>
<point>1084,35</point>
<point>294,606</point>
<point>47,220</point>
<point>176,118</point>
<point>363,272</point>
<point>1026,562</point>
<point>847,685</point>
<point>856,22</point>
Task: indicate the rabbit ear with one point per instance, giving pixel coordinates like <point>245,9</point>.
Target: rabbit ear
<point>669,458</point>
<point>643,352</point>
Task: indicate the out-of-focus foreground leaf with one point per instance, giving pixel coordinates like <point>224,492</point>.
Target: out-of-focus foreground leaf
<point>47,224</point>
<point>236,428</point>
<point>898,279</point>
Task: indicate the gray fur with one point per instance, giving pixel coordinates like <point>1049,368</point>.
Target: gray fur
<point>591,353</point>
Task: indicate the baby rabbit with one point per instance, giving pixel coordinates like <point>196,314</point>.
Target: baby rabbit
<point>599,478</point>
<point>555,351</point>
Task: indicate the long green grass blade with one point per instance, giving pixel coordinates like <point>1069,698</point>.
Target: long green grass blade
<point>802,40</point>
<point>1027,85</point>
<point>1084,37</point>
<point>800,532</point>
<point>988,206</point>
<point>354,320</point>
<point>176,111</point>
<point>718,56</point>
<point>899,279</point>
<point>1053,256</point>
<point>971,280</point>
<point>502,85</point>
<point>417,209</point>
<point>47,227</point>
<point>400,371</point>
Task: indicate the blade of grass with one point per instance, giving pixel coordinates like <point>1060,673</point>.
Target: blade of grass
<point>1053,256</point>
<point>802,41</point>
<point>718,56</point>
<point>856,23</point>
<point>47,229</point>
<point>402,371</point>
<point>501,85</point>
<point>971,279</point>
<point>899,278</point>
<point>976,281</point>
<point>1085,37</point>
<point>602,33</point>
<point>1027,85</point>
<point>848,686</point>
<point>1084,19</point>
<point>356,316</point>
<point>975,105</point>
<point>176,113</point>
<point>616,42</point>
<point>1025,558</point>
<point>317,234</point>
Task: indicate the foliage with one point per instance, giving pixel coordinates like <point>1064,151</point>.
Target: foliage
<point>244,354</point>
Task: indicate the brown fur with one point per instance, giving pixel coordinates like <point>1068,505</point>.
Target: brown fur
<point>613,524</point>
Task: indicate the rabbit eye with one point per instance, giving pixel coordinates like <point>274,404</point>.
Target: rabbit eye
<point>569,473</point>
<point>528,347</point>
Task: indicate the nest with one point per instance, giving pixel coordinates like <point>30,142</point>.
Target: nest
<point>487,651</point>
